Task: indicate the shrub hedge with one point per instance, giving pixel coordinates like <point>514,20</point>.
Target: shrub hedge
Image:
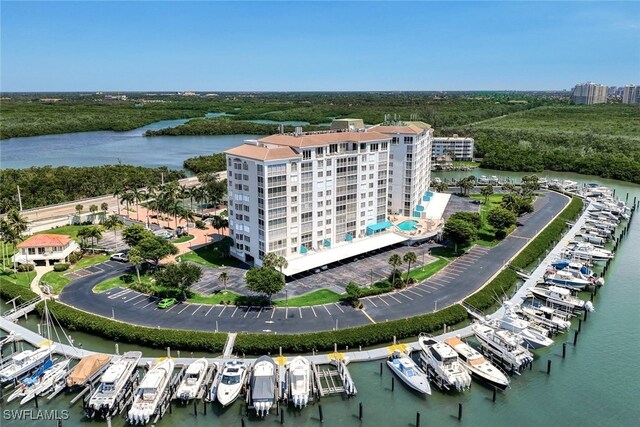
<point>353,337</point>
<point>77,320</point>
<point>486,297</point>
<point>61,267</point>
<point>9,290</point>
<point>22,268</point>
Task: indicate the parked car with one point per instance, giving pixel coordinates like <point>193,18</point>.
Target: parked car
<point>120,257</point>
<point>167,302</point>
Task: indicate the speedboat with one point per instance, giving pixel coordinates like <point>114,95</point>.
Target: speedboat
<point>46,382</point>
<point>533,336</point>
<point>192,381</point>
<point>263,385</point>
<point>88,368</point>
<point>504,345</point>
<point>583,250</point>
<point>299,381</point>
<point>25,362</point>
<point>230,382</point>
<point>404,367</point>
<point>566,279</point>
<point>148,394</point>
<point>559,297</point>
<point>547,317</point>
<point>442,365</point>
<point>104,401</point>
<point>29,382</point>
<point>479,367</point>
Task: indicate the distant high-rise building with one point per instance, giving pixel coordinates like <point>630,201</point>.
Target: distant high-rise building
<point>589,93</point>
<point>631,94</point>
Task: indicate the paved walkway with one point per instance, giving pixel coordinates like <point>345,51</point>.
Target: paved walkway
<point>35,283</point>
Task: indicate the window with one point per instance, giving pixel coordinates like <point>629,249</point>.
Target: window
<point>333,148</point>
<point>294,188</point>
<point>408,140</point>
<point>395,140</point>
<point>320,194</point>
<point>374,147</point>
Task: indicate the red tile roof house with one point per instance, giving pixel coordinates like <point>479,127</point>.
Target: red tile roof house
<point>45,249</point>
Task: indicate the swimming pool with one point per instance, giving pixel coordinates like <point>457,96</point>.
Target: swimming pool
<point>409,225</point>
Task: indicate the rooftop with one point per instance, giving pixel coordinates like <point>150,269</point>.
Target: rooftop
<point>45,240</point>
<point>261,152</point>
<point>319,139</point>
<point>401,128</point>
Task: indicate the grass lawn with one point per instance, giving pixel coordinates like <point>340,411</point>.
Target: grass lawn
<point>123,281</point>
<point>183,239</point>
<point>210,256</point>
<point>58,281</point>
<point>466,164</point>
<point>21,279</point>
<point>428,270</point>
<point>7,253</point>
<point>321,296</point>
<point>487,234</point>
<point>219,298</point>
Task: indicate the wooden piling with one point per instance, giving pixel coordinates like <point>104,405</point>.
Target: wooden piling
<point>548,367</point>
<point>564,349</point>
<point>242,422</point>
<point>36,399</point>
<point>320,413</point>
<point>575,338</point>
<point>586,314</point>
<point>393,383</point>
<point>579,325</point>
<point>417,419</point>
<point>281,417</point>
<point>360,411</point>
<point>195,407</point>
<point>380,368</point>
<point>494,395</point>
<point>459,411</point>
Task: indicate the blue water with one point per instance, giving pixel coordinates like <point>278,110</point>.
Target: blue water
<point>276,122</point>
<point>408,225</point>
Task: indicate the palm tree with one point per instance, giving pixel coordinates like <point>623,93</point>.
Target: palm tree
<point>113,223</point>
<point>137,196</point>
<point>95,233</point>
<point>220,223</point>
<point>395,261</point>
<point>187,216</point>
<point>16,222</point>
<point>198,194</point>
<point>79,209</point>
<point>486,192</point>
<point>409,258</point>
<point>117,193</point>
<point>127,198</point>
<point>175,209</point>
<point>104,207</point>
<point>281,264</point>
<point>93,209</point>
<point>273,260</point>
<point>223,277</point>
<point>136,260</point>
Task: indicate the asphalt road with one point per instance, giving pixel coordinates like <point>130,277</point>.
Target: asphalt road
<point>459,279</point>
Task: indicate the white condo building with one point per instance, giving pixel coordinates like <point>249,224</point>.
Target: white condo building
<point>631,94</point>
<point>316,193</point>
<point>457,147</point>
<point>589,93</point>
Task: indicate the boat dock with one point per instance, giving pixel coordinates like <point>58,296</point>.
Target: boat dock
<point>21,310</point>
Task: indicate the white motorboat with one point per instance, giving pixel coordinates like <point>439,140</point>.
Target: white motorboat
<point>441,363</point>
<point>299,381</point>
<point>405,368</point>
<point>148,394</point>
<point>566,279</point>
<point>87,369</point>
<point>547,317</point>
<point>230,382</point>
<point>560,297</point>
<point>584,250</point>
<point>504,345</point>
<point>44,383</point>
<point>192,381</point>
<point>263,385</point>
<point>533,336</point>
<point>27,383</point>
<point>104,401</point>
<point>479,367</point>
<point>25,362</point>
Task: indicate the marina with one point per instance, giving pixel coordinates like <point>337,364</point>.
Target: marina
<point>535,278</point>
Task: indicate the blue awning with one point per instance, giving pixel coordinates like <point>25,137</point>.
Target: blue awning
<point>327,243</point>
<point>303,250</point>
<point>371,229</point>
<point>416,214</point>
<point>348,237</point>
<point>420,208</point>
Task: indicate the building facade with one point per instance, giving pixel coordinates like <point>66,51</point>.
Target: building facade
<point>631,94</point>
<point>292,193</point>
<point>45,249</point>
<point>409,174</point>
<point>589,93</point>
<point>456,147</point>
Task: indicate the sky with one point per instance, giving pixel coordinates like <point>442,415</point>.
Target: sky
<point>316,46</point>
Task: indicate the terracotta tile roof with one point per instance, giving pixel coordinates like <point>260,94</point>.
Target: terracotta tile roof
<point>260,152</point>
<point>319,139</point>
<point>406,128</point>
<point>45,240</point>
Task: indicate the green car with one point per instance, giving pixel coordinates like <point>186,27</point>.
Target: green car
<point>167,302</point>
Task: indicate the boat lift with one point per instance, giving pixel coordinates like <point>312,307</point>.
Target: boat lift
<point>125,400</point>
<point>333,378</point>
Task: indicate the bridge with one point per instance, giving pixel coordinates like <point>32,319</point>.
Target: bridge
<point>21,310</point>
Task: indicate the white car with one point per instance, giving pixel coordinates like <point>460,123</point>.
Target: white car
<point>120,257</point>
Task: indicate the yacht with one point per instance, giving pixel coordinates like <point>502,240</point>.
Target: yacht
<point>263,385</point>
<point>504,345</point>
<point>479,367</point>
<point>88,368</point>
<point>583,250</point>
<point>405,368</point>
<point>25,362</point>
<point>43,383</point>
<point>566,279</point>
<point>574,267</point>
<point>30,381</point>
<point>148,394</point>
<point>229,383</point>
<point>547,317</point>
<point>106,399</point>
<point>442,365</point>
<point>299,381</point>
<point>560,297</point>
<point>192,381</point>
<point>533,336</point>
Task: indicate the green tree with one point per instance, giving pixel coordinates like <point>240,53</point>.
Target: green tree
<point>127,198</point>
<point>133,234</point>
<point>530,184</point>
<point>136,260</point>
<point>465,185</point>
<point>180,276</point>
<point>265,281</point>
<point>79,209</point>
<point>219,223</point>
<point>137,196</point>
<point>187,216</point>
<point>225,246</point>
<point>517,203</point>
<point>223,277</point>
<point>501,218</point>
<point>155,248</point>
<point>114,223</point>
<point>459,232</point>
<point>395,261</point>
<point>486,191</point>
<point>104,207</point>
<point>471,217</point>
<point>409,258</point>
<point>272,260</point>
<point>354,292</point>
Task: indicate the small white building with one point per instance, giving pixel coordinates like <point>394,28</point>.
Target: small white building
<point>45,249</point>
<point>457,147</point>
